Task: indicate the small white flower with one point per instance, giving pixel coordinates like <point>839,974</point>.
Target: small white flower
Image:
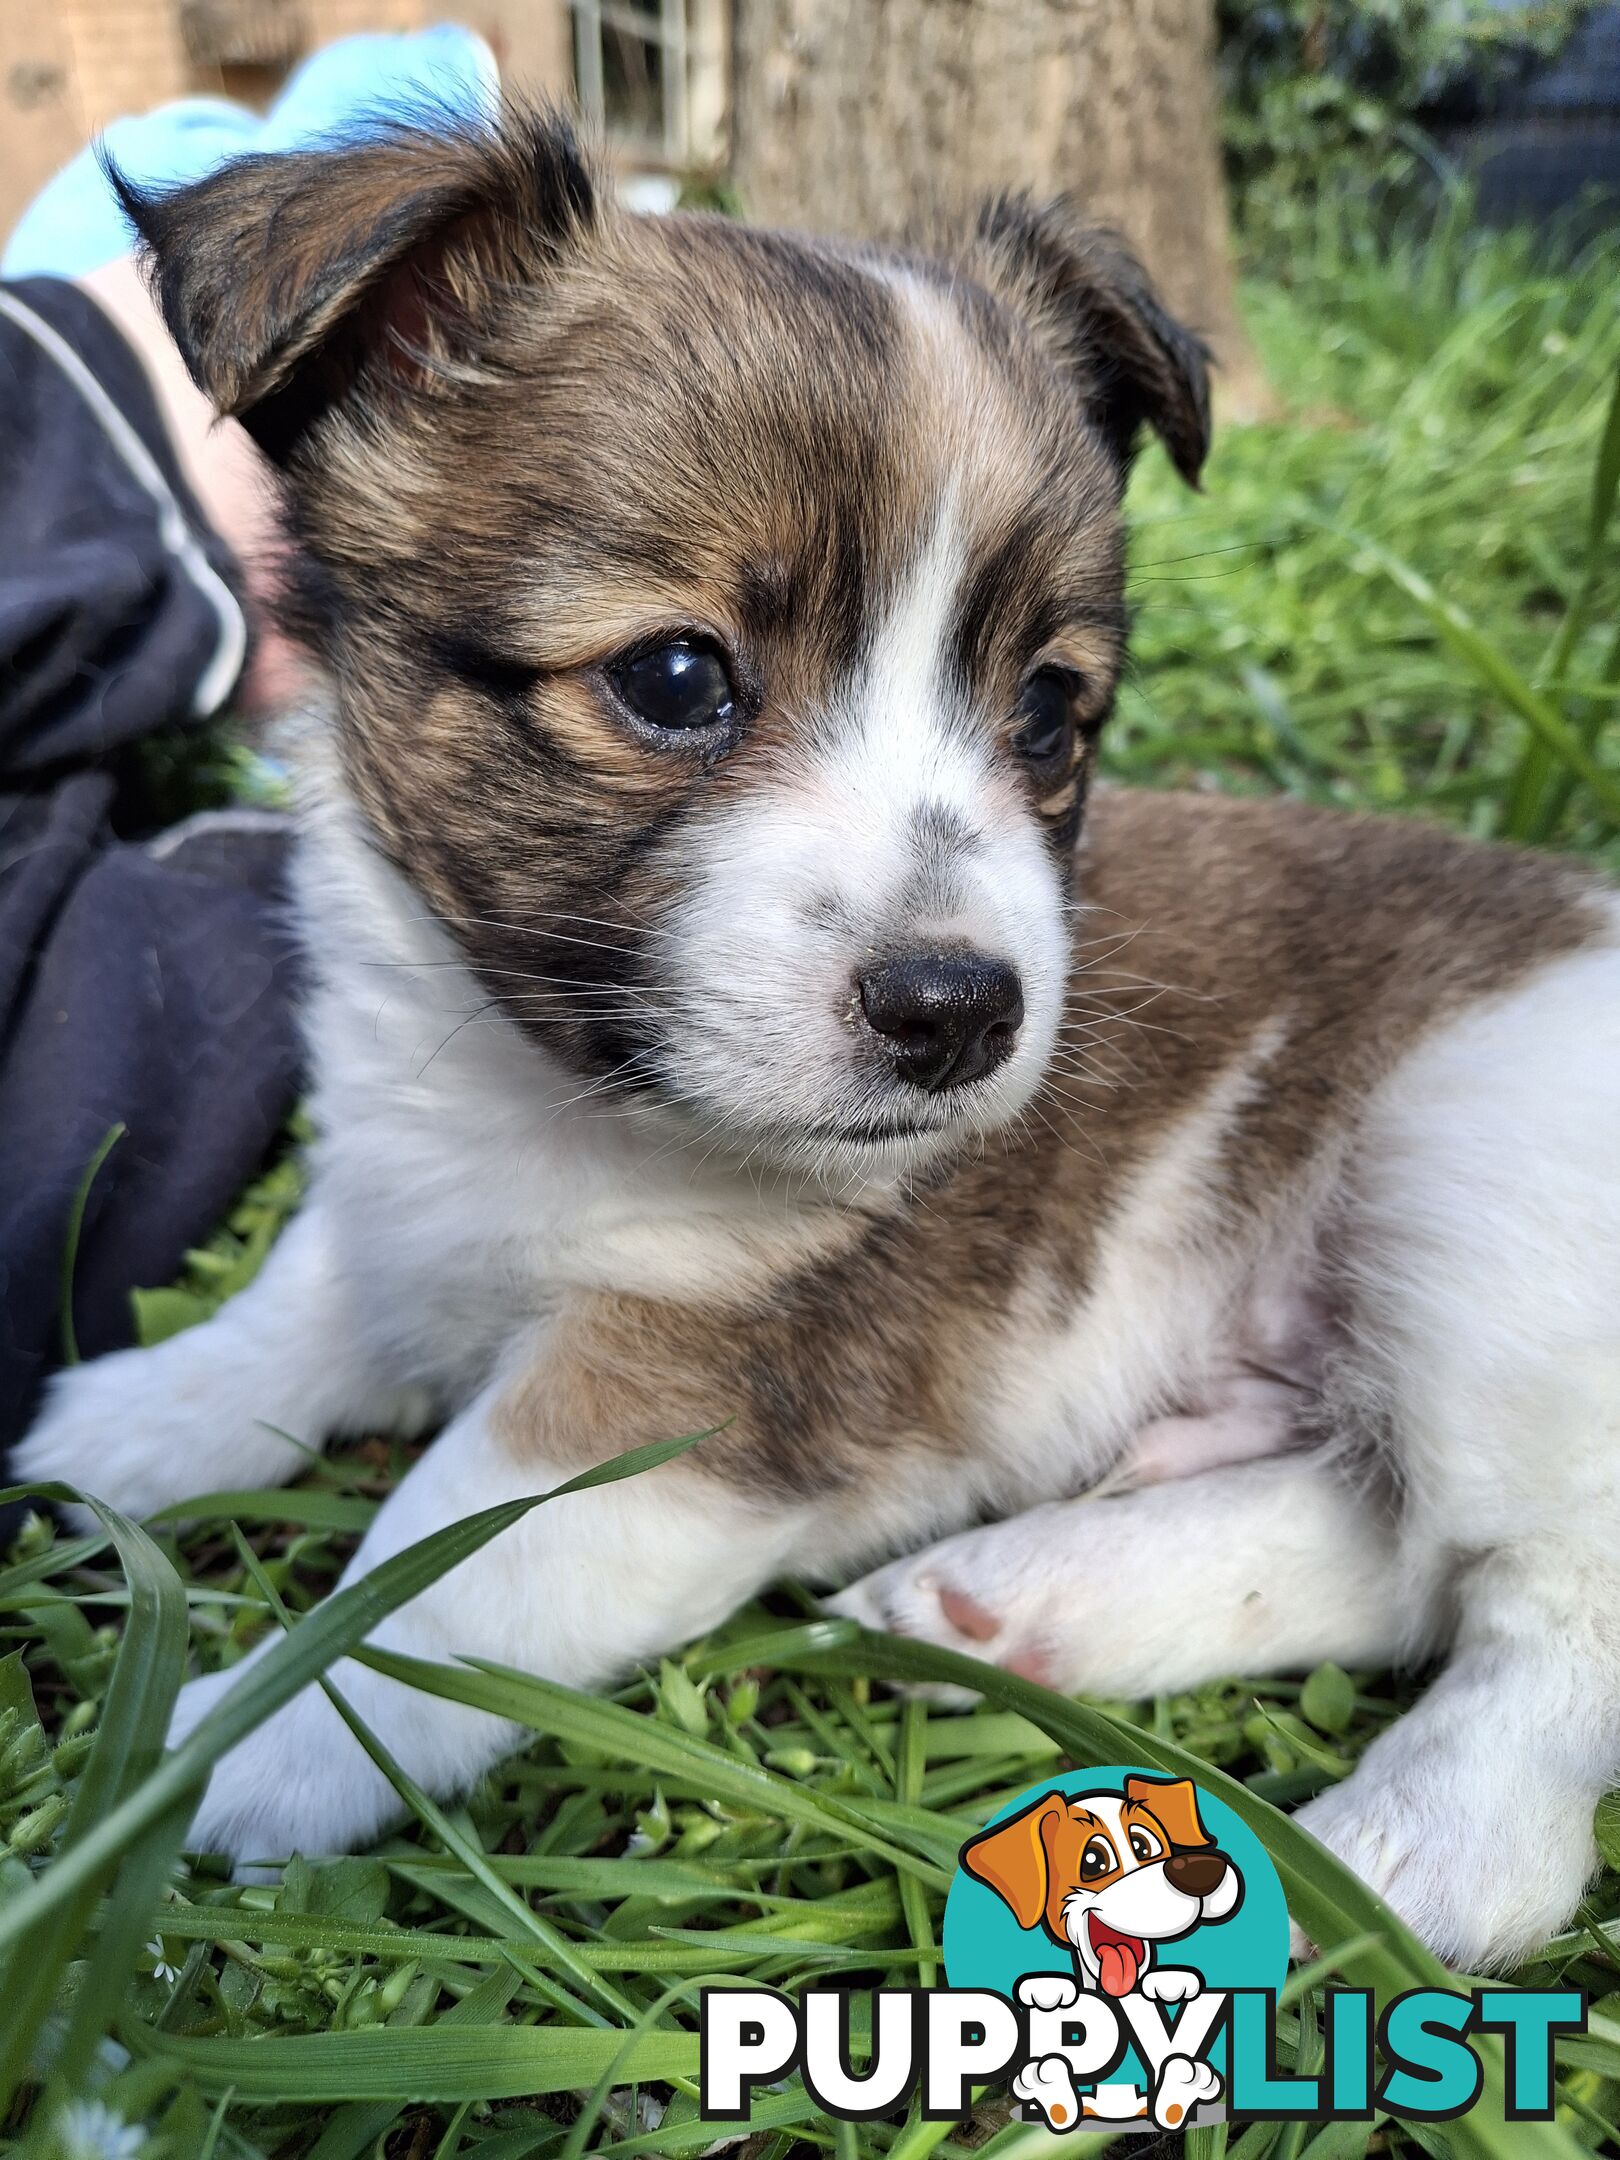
<point>161,1968</point>
<point>89,2130</point>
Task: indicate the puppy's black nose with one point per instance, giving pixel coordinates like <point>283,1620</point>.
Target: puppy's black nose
<point>1198,1873</point>
<point>946,1017</point>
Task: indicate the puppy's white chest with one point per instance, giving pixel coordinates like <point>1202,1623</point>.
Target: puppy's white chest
<point>455,1189</point>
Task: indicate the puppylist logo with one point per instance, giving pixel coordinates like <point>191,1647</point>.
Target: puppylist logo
<point>1114,1943</point>
<point>1119,1926</point>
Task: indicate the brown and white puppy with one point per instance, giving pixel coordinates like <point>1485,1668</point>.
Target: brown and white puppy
<point>722,1020</point>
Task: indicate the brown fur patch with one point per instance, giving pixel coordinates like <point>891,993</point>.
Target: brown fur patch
<point>1354,936</point>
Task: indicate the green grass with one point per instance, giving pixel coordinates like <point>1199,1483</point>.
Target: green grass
<point>1442,413</point>
<point>1387,590</point>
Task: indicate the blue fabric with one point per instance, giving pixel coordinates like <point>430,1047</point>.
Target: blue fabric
<point>143,984</point>
<point>74,224</point>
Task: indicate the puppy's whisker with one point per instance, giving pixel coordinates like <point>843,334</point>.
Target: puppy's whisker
<point>1233,547</point>
<point>643,928</point>
<point>454,1032</point>
<point>556,937</point>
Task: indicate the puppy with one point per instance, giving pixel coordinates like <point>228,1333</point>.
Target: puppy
<point>1109,1876</point>
<point>726,1015</point>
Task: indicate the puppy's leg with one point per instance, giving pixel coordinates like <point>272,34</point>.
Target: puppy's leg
<point>579,1591</point>
<point>140,1428</point>
<point>1473,1815</point>
<point>1246,1569</point>
<point>1485,1240</point>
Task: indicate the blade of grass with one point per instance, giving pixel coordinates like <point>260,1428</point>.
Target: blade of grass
<point>1532,805</point>
<point>134,1720</point>
<point>1495,672</point>
<point>423,2063</point>
<point>1561,787</point>
<point>354,2129</point>
<point>309,1508</point>
<point>789,2109</point>
<point>624,1735</point>
<point>58,1558</point>
<point>75,1230</point>
<point>910,1757</point>
<point>590,2113</point>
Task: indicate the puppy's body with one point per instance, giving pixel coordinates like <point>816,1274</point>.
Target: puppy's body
<point>1275,1170</point>
<point>1204,1126</point>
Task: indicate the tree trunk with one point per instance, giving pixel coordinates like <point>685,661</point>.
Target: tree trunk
<point>857,116</point>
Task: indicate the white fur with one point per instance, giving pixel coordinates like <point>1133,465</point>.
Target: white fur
<point>241,1402</point>
<point>1254,1568</point>
<point>1486,1222</point>
<point>1155,1324</point>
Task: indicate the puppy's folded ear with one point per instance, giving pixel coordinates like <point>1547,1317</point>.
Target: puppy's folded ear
<point>289,280</point>
<point>1012,1859</point>
<point>1095,307</point>
<point>1174,1802</point>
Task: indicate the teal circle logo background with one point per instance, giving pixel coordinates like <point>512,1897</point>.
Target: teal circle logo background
<point>984,1947</point>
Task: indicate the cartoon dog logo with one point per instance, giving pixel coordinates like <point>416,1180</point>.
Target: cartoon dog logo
<point>1110,1877</point>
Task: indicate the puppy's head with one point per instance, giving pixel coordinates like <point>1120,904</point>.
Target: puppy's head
<point>1108,1875</point>
<point>721,622</point>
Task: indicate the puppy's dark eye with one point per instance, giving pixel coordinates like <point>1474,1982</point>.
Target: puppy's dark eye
<point>1144,1846</point>
<point>1047,716</point>
<point>680,685</point>
<point>1097,1859</point>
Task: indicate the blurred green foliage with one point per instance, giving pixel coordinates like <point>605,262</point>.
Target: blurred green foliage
<point>1390,582</point>
<point>1324,95</point>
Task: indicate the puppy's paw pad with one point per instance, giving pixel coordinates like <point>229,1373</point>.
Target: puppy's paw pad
<point>960,1621</point>
<point>966,1615</point>
<point>919,1598</point>
<point>970,1594</point>
<point>1182,2086</point>
<point>909,1598</point>
<point>1048,1991</point>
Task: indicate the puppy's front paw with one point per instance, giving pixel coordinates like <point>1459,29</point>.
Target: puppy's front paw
<point>299,1784</point>
<point>1182,2085</point>
<point>1429,1835</point>
<point>98,1431</point>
